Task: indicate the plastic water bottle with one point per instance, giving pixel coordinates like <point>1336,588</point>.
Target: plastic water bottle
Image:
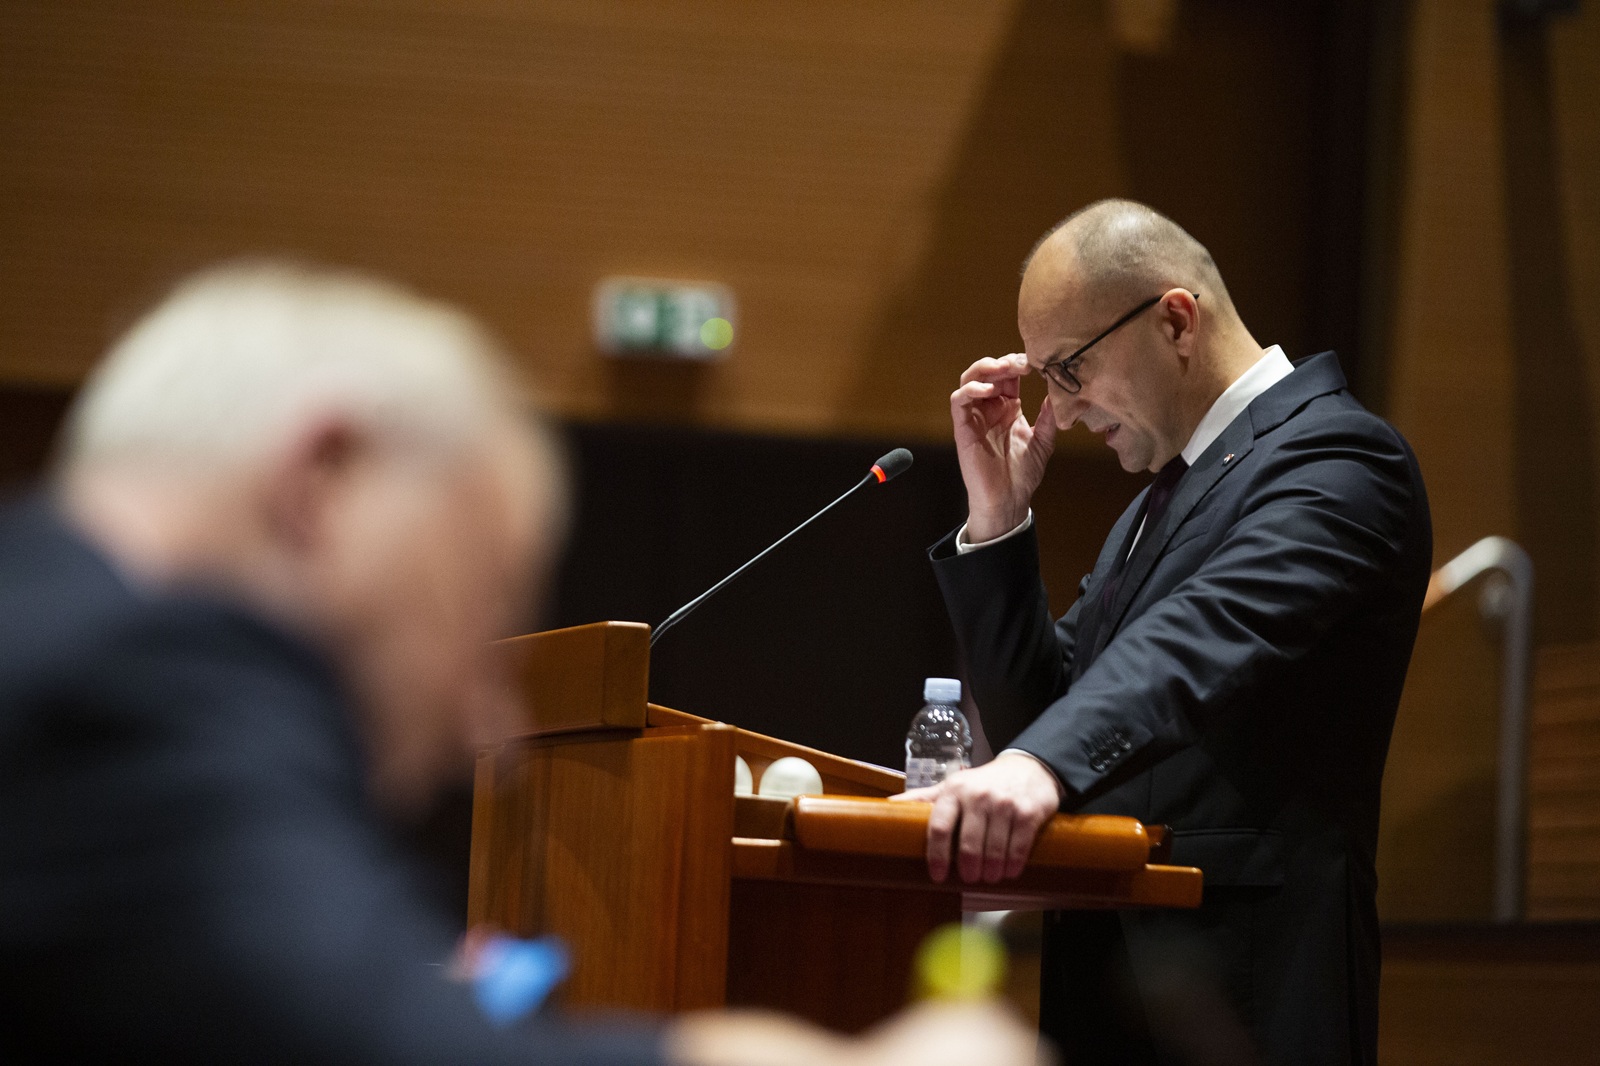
<point>939,742</point>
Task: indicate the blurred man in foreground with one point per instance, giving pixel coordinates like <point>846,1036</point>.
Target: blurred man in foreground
<point>249,623</point>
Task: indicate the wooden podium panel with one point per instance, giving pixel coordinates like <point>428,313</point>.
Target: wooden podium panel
<point>614,843</point>
<point>838,954</point>
<point>613,824</point>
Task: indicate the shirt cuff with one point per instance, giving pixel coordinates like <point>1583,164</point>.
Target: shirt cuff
<point>1061,790</point>
<point>962,547</point>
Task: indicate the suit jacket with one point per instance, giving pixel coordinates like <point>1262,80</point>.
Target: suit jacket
<point>189,870</point>
<point>1241,688</point>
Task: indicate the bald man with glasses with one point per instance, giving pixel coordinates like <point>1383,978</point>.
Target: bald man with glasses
<point>1231,666</point>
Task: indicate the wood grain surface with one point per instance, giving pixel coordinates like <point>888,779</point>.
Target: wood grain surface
<point>586,677</point>
<point>622,841</point>
<point>621,847</point>
<point>1564,786</point>
<point>900,829</point>
<point>1519,996</point>
<point>865,177</point>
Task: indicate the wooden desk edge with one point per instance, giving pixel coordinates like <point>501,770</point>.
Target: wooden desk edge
<point>877,826</point>
<point>1038,888</point>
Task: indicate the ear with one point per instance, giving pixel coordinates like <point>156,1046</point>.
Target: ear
<point>1180,320</point>
<point>305,482</point>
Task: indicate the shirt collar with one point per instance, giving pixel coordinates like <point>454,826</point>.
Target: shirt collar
<point>1271,368</point>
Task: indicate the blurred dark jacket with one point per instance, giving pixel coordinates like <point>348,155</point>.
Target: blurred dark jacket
<point>189,867</point>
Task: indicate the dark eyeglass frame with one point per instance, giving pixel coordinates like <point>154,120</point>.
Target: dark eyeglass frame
<point>1061,371</point>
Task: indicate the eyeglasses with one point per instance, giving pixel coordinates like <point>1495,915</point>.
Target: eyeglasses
<point>1064,371</point>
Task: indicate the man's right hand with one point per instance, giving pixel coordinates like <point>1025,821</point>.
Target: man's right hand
<point>1002,457</point>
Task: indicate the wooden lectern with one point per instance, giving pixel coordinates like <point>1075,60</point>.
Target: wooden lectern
<point>613,823</point>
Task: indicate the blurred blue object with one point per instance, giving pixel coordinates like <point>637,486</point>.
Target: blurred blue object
<point>513,977</point>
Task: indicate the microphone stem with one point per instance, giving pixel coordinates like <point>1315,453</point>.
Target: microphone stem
<point>683,612</point>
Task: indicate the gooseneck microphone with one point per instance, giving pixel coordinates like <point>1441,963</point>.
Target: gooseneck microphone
<point>890,466</point>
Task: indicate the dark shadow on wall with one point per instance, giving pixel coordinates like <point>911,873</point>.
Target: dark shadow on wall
<point>29,418</point>
<point>1217,133</point>
<point>1250,130</point>
<point>1555,467</point>
<point>1036,146</point>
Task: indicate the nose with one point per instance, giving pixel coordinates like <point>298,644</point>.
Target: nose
<point>1066,407</point>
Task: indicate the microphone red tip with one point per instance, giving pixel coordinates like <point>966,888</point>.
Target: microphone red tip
<point>878,470</point>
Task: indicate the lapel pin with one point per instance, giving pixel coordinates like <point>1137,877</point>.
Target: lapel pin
<point>1227,458</point>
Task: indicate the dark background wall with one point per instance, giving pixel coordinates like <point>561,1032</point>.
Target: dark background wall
<point>826,641</point>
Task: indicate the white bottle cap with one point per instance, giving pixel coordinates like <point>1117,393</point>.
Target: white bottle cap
<point>941,690</point>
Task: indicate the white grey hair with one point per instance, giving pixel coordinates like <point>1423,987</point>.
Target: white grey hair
<point>238,356</point>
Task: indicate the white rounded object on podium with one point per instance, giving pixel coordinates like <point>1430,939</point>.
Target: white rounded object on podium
<point>789,777</point>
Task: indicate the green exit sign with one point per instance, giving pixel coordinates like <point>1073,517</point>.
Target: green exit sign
<point>654,317</point>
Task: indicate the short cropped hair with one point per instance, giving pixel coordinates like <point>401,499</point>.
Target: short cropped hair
<point>1127,251</point>
<point>238,355</point>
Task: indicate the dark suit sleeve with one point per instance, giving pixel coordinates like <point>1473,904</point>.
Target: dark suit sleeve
<point>1019,660</point>
<point>1322,519</point>
<point>212,886</point>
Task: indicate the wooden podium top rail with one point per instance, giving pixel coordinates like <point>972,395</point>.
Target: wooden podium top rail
<point>1078,861</point>
<point>589,682</point>
<point>900,829</point>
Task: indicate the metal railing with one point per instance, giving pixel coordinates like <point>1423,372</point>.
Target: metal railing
<point>1505,599</point>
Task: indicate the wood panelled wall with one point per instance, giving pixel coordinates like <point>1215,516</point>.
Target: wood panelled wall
<point>1489,996</point>
<point>1436,837</point>
<point>1564,786</point>
<point>1453,370</point>
<point>1496,365</point>
<point>1495,346</point>
<point>866,176</point>
<point>1436,827</point>
<point>506,154</point>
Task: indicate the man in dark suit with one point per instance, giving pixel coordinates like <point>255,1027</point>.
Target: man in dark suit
<point>246,629</point>
<point>1231,666</point>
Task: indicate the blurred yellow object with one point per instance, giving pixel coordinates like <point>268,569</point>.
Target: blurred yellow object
<point>716,333</point>
<point>960,962</point>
